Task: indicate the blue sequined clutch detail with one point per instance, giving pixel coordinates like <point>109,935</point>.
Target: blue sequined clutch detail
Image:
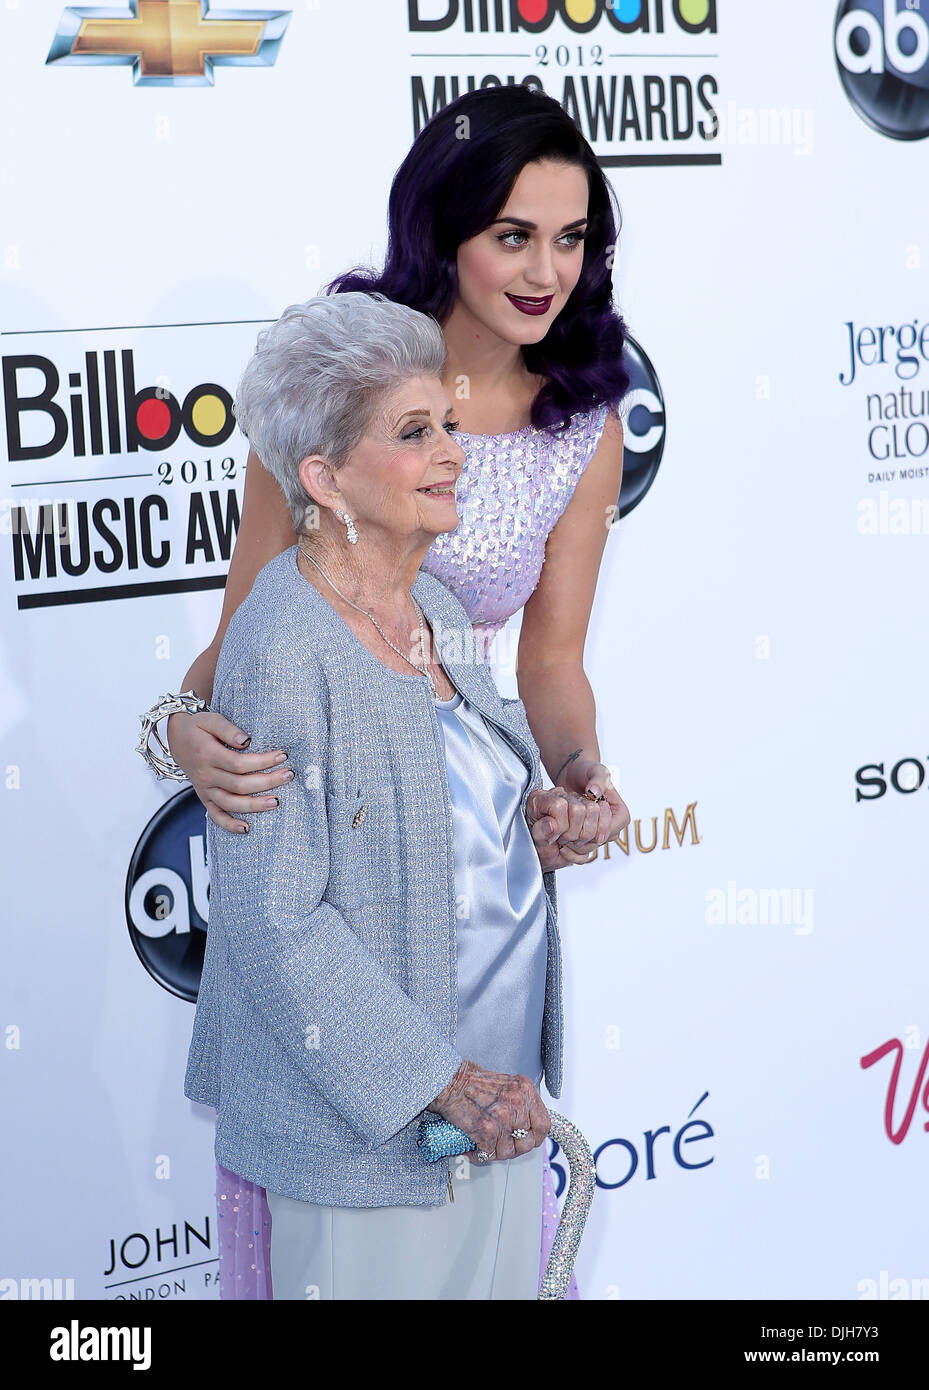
<point>439,1138</point>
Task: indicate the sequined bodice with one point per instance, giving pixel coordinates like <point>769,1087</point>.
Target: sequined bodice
<point>512,490</point>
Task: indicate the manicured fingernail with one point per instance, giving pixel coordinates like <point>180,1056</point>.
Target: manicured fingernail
<point>289,775</point>
<point>281,758</point>
<point>243,739</point>
<point>272,801</point>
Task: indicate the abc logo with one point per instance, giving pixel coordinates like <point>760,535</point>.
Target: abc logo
<point>643,428</point>
<point>168,895</point>
<point>882,53</point>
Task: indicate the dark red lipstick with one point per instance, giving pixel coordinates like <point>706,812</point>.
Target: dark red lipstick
<point>531,304</point>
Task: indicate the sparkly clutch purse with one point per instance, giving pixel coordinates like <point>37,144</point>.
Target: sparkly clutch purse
<point>439,1138</point>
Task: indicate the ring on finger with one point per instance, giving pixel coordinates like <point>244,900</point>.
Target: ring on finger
<point>520,1133</point>
<point>483,1156</point>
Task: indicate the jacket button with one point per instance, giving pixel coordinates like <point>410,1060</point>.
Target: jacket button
<point>359,815</point>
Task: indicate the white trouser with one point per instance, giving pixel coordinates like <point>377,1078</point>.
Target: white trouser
<point>483,1245</point>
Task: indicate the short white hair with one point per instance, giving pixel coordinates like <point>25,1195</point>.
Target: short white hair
<point>317,376</point>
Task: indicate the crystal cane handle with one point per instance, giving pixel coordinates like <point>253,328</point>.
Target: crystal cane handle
<point>439,1138</point>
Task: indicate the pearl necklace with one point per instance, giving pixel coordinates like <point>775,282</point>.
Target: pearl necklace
<point>422,635</point>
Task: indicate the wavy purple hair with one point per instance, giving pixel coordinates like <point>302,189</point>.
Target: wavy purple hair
<point>448,189</point>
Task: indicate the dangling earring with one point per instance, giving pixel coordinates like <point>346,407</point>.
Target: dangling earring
<point>349,527</point>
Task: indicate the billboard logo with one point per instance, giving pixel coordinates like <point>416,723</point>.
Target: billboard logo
<point>882,52</point>
<point>152,418</point>
<point>169,43</point>
<point>535,16</point>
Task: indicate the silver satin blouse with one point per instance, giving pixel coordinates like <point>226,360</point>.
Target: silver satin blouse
<point>500,929</point>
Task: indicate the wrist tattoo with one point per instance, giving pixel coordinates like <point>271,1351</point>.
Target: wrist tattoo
<point>569,759</point>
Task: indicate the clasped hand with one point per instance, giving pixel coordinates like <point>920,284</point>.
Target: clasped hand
<point>568,828</point>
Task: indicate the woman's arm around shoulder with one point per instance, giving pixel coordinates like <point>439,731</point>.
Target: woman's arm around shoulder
<point>204,745</point>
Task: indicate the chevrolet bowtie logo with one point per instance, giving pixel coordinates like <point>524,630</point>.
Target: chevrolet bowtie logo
<point>170,43</point>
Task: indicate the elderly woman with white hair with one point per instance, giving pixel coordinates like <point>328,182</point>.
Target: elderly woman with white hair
<point>387,944</point>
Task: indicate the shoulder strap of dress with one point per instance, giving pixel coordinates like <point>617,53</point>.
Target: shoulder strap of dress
<point>592,422</point>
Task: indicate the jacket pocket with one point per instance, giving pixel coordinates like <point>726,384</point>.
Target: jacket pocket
<point>364,846</point>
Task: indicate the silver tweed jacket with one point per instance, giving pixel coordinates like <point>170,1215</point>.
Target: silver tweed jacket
<point>327,1012</point>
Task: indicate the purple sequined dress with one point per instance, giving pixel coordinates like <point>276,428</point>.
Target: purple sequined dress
<point>512,490</point>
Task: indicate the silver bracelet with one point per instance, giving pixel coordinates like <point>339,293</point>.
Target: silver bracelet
<point>185,703</point>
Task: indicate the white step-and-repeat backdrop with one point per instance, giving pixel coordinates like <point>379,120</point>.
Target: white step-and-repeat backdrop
<point>746,971</point>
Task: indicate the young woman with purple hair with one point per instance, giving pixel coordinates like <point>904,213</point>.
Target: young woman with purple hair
<point>501,226</point>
